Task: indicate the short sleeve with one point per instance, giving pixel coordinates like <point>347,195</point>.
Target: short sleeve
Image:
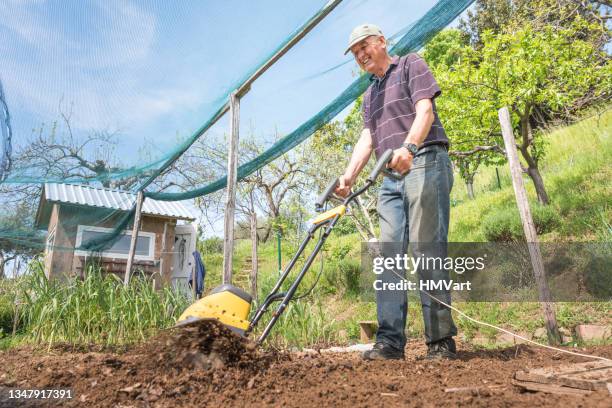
<point>421,82</point>
<point>365,107</point>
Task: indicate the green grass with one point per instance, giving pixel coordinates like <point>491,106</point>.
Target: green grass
<point>576,174</point>
<point>303,324</point>
<point>96,310</point>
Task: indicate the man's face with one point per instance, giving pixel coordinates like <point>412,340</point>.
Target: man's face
<point>371,53</point>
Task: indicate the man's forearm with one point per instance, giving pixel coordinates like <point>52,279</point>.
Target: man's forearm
<point>361,155</point>
<point>422,122</point>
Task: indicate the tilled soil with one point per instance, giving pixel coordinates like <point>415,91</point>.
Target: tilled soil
<point>207,365</point>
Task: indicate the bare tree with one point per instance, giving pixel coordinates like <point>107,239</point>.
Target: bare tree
<point>262,192</point>
<point>273,184</point>
<point>56,154</point>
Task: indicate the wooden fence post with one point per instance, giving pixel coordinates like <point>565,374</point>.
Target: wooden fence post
<point>230,202</point>
<point>254,259</point>
<point>135,228</point>
<point>528,226</point>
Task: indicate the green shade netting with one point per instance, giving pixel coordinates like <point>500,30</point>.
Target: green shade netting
<point>438,17</point>
<point>57,54</point>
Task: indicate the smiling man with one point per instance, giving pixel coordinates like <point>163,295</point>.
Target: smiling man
<point>399,113</point>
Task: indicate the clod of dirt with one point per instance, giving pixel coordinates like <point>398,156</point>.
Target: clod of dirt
<point>204,345</point>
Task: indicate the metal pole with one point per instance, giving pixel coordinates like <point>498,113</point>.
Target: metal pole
<point>232,175</point>
<point>246,86</point>
<point>498,180</point>
<point>135,228</point>
<point>529,227</point>
<point>278,246</point>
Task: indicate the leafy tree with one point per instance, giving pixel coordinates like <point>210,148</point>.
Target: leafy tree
<point>496,17</point>
<point>530,71</point>
<point>473,143</point>
<point>445,48</point>
<point>499,16</point>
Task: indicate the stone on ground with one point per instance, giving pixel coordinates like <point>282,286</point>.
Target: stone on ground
<point>593,332</point>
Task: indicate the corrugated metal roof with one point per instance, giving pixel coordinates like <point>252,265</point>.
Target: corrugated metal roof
<point>113,199</point>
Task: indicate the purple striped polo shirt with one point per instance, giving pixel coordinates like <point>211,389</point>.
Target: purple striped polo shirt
<point>388,103</point>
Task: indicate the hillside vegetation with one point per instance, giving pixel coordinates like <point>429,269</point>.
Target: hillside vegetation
<point>577,174</point>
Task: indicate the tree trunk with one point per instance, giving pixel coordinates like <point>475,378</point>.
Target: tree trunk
<point>253,277</point>
<point>1,265</point>
<point>532,165</point>
<point>267,232</point>
<point>469,184</point>
<point>536,177</point>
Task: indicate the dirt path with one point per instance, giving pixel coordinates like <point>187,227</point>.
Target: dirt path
<point>200,369</point>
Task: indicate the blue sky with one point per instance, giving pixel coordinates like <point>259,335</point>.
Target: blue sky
<point>156,70</point>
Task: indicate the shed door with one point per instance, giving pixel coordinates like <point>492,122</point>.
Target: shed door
<point>182,259</point>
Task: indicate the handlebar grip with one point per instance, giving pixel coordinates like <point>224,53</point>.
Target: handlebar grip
<point>326,193</point>
<point>380,164</point>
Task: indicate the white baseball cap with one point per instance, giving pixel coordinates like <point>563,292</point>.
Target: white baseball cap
<point>360,32</point>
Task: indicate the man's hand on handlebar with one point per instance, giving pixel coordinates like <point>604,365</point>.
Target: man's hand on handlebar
<point>389,158</point>
<point>401,161</point>
<point>344,186</point>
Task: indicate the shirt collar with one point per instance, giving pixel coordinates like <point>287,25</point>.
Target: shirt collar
<point>394,61</point>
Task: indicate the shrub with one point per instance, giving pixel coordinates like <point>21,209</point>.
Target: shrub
<point>350,273</point>
<point>211,245</point>
<point>598,279</point>
<point>505,225</point>
<point>546,218</point>
<point>501,226</point>
<point>345,226</point>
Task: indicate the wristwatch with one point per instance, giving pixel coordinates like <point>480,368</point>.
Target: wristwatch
<point>411,147</point>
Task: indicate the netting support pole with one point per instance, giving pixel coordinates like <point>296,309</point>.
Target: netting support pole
<point>246,85</point>
<point>135,228</point>
<point>232,174</point>
<point>528,226</point>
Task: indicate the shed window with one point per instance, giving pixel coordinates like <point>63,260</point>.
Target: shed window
<point>145,246</point>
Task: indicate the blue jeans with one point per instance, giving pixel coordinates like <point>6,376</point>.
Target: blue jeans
<point>416,210</point>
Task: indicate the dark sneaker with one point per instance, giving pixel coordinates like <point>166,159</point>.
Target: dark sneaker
<point>383,351</point>
<point>443,349</point>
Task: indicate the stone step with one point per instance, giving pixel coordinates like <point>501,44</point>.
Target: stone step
<point>593,332</point>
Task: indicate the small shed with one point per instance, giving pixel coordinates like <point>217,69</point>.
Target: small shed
<point>73,214</point>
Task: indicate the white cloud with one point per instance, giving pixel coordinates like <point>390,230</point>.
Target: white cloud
<point>105,63</point>
<point>25,22</point>
<point>126,34</point>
